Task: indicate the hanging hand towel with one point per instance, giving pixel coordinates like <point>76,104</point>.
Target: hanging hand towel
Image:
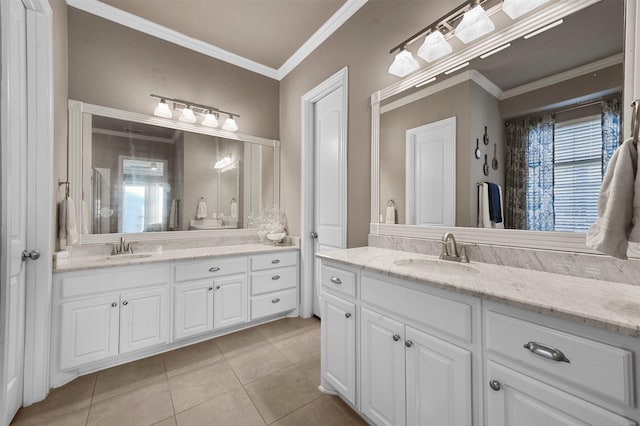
<point>619,194</point>
<point>67,228</point>
<point>495,204</point>
<point>485,217</point>
<point>391,215</point>
<point>201,211</point>
<point>173,215</point>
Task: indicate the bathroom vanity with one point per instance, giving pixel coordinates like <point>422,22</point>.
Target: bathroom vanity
<point>108,310</point>
<point>410,339</point>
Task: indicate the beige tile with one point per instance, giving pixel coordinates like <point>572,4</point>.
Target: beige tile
<point>300,347</point>
<point>70,397</point>
<point>257,361</point>
<point>281,393</point>
<point>191,357</point>
<point>127,377</point>
<point>320,412</point>
<point>311,370</point>
<point>143,406</point>
<point>171,421</point>
<point>232,408</point>
<point>75,418</point>
<point>353,416</point>
<point>240,341</point>
<point>197,386</point>
<point>287,327</point>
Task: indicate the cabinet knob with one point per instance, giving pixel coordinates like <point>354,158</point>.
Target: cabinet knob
<point>495,385</point>
<point>217,287</point>
<point>348,315</point>
<point>335,280</point>
<point>125,303</point>
<point>396,337</point>
<point>408,343</point>
<point>214,269</point>
<point>210,288</point>
<point>276,300</point>
<point>275,277</point>
<point>275,261</point>
<point>114,304</point>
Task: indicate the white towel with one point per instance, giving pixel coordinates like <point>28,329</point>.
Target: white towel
<point>484,219</point>
<point>67,228</point>
<point>201,211</point>
<point>619,204</point>
<point>173,215</point>
<point>391,215</point>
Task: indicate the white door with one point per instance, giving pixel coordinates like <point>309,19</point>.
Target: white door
<point>383,369</point>
<point>193,308</point>
<point>431,174</point>
<point>144,319</point>
<point>438,381</point>
<point>230,303</point>
<point>330,180</point>
<point>517,399</point>
<point>339,345</point>
<point>14,211</point>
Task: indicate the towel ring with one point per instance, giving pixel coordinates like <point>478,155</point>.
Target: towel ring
<point>392,203</point>
<point>60,183</point>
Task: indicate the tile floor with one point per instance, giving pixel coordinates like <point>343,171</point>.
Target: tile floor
<point>264,375</point>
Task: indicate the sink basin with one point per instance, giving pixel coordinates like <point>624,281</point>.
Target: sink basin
<point>437,266</point>
<point>116,257</point>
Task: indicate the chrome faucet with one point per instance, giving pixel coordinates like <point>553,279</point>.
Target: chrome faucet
<point>121,248</point>
<point>450,249</point>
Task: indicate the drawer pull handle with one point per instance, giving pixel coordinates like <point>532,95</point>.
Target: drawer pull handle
<point>336,280</point>
<point>396,337</point>
<point>348,315</point>
<point>214,269</point>
<point>276,300</point>
<point>546,352</point>
<point>275,261</point>
<point>275,277</point>
<point>495,385</point>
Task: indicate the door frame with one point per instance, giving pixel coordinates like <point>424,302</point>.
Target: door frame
<point>39,192</point>
<point>338,80</point>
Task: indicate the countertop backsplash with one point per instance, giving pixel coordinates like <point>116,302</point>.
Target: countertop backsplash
<point>560,262</point>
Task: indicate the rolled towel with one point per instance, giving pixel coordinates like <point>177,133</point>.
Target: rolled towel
<point>391,215</point>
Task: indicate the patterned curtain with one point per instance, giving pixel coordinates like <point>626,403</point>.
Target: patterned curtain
<point>611,130</point>
<point>515,201</point>
<point>540,216</point>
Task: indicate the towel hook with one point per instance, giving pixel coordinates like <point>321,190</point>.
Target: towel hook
<point>60,183</point>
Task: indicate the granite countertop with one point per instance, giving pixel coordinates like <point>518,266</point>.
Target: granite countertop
<point>611,306</point>
<point>142,258</point>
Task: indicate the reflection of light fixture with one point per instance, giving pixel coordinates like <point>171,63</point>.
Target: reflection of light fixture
<point>162,110</point>
<point>456,68</point>
<point>210,120</point>
<point>223,162</point>
<point>434,47</point>
<point>424,83</point>
<point>516,8</point>
<point>543,29</point>
<point>230,167</point>
<point>475,23</point>
<point>496,50</point>
<point>230,124</point>
<point>187,115</point>
<point>403,64</point>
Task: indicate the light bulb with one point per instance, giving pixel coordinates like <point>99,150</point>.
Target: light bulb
<point>230,124</point>
<point>475,23</point>
<point>162,110</point>
<point>403,64</point>
<point>187,115</point>
<point>516,8</point>
<point>434,47</point>
<point>210,120</point>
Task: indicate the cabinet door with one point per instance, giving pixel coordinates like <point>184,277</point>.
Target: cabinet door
<point>89,330</point>
<point>193,308</point>
<point>383,374</point>
<point>438,381</point>
<point>524,401</point>
<point>144,318</point>
<point>338,329</point>
<point>230,301</point>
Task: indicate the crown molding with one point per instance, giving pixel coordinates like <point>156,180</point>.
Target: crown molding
<point>103,10</point>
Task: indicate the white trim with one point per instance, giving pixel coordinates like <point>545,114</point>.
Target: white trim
<point>131,135</point>
<point>631,62</point>
<point>135,22</point>
<point>563,76</point>
<point>341,16</point>
<point>338,80</point>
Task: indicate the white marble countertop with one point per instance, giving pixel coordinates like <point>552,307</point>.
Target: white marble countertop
<point>141,258</point>
<point>611,306</point>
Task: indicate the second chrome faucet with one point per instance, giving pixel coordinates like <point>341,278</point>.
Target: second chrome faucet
<point>450,249</point>
<point>121,248</point>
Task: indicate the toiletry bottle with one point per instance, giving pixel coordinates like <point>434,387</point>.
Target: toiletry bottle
<point>234,208</point>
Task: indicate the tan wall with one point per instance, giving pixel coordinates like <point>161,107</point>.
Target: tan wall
<point>362,44</point>
<point>199,179</point>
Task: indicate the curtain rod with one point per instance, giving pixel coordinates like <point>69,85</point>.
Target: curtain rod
<point>551,112</point>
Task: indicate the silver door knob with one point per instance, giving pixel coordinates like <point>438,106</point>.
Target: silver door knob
<point>314,235</point>
<point>125,303</point>
<point>408,343</point>
<point>495,385</point>
<point>114,304</point>
<point>396,337</point>
<point>217,287</point>
<point>33,255</point>
<point>348,315</point>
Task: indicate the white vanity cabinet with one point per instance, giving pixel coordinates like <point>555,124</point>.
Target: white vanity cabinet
<point>274,284</point>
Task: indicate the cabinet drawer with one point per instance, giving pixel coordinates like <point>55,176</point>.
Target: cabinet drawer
<point>598,369</point>
<point>115,279</point>
<point>274,260</point>
<point>273,303</point>
<point>273,280</point>
<point>434,312</point>
<point>216,267</point>
<point>338,280</point>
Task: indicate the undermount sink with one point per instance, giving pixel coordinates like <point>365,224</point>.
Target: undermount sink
<point>125,256</point>
<point>437,266</point>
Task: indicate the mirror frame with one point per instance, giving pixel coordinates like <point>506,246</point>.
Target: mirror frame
<point>559,241</point>
<point>77,128</point>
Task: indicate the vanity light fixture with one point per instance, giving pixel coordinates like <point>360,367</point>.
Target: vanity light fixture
<point>475,23</point>
<point>543,29</point>
<point>403,64</point>
<point>189,110</point>
<point>424,83</point>
<point>223,162</point>
<point>434,47</point>
<point>456,68</point>
<point>516,8</point>
<point>496,50</point>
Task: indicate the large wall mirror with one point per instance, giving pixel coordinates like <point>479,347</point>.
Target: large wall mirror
<point>540,119</point>
<point>141,174</point>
